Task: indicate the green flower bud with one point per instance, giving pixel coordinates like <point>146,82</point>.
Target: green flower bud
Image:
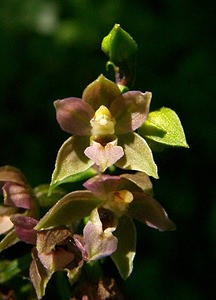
<point>118,45</point>
<point>121,49</point>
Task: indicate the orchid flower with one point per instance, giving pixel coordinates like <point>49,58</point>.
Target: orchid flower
<point>111,202</point>
<point>103,125</point>
<point>55,250</point>
<point>19,210</point>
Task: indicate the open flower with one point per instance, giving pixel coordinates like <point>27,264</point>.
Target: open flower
<point>18,212</point>
<point>55,250</point>
<point>52,250</point>
<point>125,197</point>
<point>102,124</point>
<point>111,202</point>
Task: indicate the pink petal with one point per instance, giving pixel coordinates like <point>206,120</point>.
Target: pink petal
<point>56,259</point>
<point>130,110</point>
<point>5,224</point>
<point>102,185</point>
<point>48,239</point>
<point>24,228</point>
<point>80,244</point>
<point>16,195</point>
<point>39,275</point>
<point>74,115</point>
<point>98,242</point>
<point>104,157</point>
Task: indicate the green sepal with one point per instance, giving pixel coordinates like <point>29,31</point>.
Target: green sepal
<point>72,207</point>
<point>124,255</point>
<point>138,155</point>
<point>9,268</point>
<point>71,162</point>
<point>101,91</point>
<point>164,126</point>
<point>9,240</point>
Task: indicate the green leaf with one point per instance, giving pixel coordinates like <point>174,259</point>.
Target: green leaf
<point>9,240</point>
<point>163,126</point>
<point>138,156</point>
<point>71,161</point>
<point>124,255</point>
<point>8,269</point>
<point>72,207</point>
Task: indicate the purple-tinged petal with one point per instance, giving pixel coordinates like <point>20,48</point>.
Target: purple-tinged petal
<point>130,110</point>
<point>5,224</point>
<point>102,185</point>
<point>98,242</point>
<point>16,195</point>
<point>74,115</point>
<point>11,174</point>
<point>141,180</point>
<point>100,92</point>
<point>146,209</point>
<point>24,228</point>
<point>102,288</point>
<point>39,275</point>
<point>56,259</point>
<point>48,239</point>
<point>80,244</point>
<point>104,156</point>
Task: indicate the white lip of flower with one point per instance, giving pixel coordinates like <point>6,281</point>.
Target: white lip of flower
<point>102,123</point>
<point>119,203</point>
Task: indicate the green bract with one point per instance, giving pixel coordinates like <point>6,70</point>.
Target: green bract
<point>163,126</point>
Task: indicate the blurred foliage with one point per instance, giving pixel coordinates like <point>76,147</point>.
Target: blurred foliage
<point>51,49</point>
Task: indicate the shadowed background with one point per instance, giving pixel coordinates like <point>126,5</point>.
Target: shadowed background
<point>51,50</point>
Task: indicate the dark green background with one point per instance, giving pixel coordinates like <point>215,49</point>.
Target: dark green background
<point>51,49</point>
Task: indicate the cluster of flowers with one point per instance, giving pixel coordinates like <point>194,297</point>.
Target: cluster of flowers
<point>109,131</point>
